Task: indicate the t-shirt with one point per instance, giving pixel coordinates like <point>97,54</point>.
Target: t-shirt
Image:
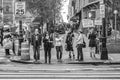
<point>80,39</point>
<point>36,37</point>
<point>58,41</point>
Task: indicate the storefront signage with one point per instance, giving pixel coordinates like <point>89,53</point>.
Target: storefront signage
<point>102,10</point>
<point>91,1</point>
<point>98,22</point>
<point>87,23</point>
<point>101,1</point>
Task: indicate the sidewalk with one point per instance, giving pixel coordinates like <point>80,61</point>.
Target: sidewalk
<point>113,58</point>
<point>3,59</point>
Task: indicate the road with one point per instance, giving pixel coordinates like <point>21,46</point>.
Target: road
<point>64,71</point>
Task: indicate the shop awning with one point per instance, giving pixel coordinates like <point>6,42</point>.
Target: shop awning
<point>76,17</point>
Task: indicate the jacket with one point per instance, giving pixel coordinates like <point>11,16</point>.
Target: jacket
<point>33,40</point>
<point>48,42</point>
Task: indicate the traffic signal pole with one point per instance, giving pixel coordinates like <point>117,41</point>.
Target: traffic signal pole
<point>20,36</point>
<point>104,52</point>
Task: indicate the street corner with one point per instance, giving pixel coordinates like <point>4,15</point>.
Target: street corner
<point>18,59</point>
<point>4,60</point>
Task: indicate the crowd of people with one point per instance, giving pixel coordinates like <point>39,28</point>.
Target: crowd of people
<point>54,40</point>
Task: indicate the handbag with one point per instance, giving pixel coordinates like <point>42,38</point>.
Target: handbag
<point>84,44</point>
<point>52,45</point>
<point>66,47</point>
<point>7,44</point>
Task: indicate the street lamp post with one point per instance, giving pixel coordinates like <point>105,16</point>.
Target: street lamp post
<point>115,12</point>
<point>104,52</point>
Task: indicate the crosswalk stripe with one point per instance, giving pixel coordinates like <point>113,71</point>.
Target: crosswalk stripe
<point>35,73</point>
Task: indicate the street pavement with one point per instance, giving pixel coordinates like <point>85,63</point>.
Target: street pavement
<point>62,71</point>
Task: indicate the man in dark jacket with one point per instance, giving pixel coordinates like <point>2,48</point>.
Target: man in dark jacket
<point>36,42</point>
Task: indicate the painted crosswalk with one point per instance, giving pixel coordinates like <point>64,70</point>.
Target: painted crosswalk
<point>83,75</point>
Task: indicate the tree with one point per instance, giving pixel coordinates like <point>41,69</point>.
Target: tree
<point>48,10</point>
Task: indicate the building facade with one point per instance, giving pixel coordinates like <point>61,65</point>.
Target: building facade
<point>8,11</point>
<point>89,9</point>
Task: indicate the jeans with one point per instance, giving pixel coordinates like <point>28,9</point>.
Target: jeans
<point>36,53</point>
<point>7,52</point>
<point>79,52</point>
<point>59,52</point>
<point>47,51</point>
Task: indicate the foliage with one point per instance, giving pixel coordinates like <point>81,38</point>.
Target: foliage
<point>46,9</point>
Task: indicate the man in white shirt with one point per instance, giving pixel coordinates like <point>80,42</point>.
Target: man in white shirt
<point>80,46</point>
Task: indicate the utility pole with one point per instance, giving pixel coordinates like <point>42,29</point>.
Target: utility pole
<point>104,52</point>
<point>20,36</point>
<point>54,22</point>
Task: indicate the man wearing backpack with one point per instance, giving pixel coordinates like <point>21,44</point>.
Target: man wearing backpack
<point>69,44</point>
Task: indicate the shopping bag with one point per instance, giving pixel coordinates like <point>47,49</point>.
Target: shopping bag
<point>7,44</point>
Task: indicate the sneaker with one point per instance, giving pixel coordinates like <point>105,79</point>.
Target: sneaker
<point>81,60</point>
<point>49,62</point>
<point>60,60</point>
<point>91,55</point>
<point>35,61</point>
<point>69,56</point>
<point>77,59</point>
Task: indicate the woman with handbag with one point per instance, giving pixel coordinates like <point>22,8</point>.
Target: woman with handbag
<point>69,44</point>
<point>80,44</point>
<point>92,43</point>
<point>48,45</point>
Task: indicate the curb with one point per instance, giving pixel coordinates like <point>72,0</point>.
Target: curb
<point>93,63</point>
<point>4,60</point>
<point>96,63</point>
<point>25,62</point>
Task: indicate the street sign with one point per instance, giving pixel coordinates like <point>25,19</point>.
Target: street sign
<point>20,9</point>
<point>98,22</point>
<point>101,1</point>
<point>87,23</point>
<point>102,10</point>
<point>29,18</point>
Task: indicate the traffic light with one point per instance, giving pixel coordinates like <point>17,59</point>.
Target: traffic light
<point>109,31</point>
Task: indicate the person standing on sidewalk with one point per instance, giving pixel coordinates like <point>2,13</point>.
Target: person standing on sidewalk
<point>36,42</point>
<point>79,46</point>
<point>7,44</point>
<point>13,42</point>
<point>48,42</point>
<point>92,43</point>
<point>59,47</point>
<point>69,44</point>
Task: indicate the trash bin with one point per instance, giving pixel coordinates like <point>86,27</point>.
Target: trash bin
<point>25,48</point>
